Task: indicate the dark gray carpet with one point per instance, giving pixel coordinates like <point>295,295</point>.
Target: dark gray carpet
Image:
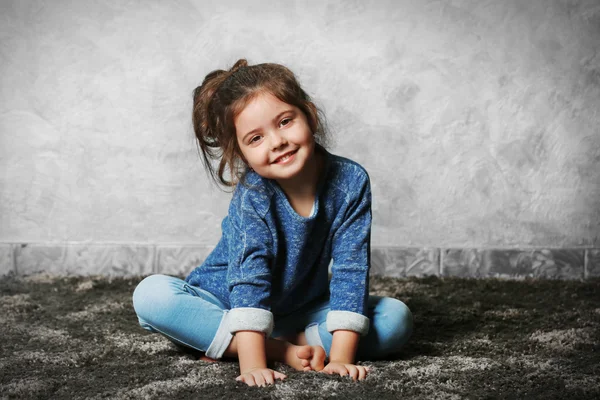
<point>78,337</point>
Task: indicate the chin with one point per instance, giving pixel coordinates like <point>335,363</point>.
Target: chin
<point>285,176</point>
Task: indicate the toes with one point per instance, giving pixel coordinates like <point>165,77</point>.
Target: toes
<point>207,359</point>
<point>318,361</point>
<point>304,352</point>
<point>311,357</point>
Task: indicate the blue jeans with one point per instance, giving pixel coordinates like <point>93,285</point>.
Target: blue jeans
<point>193,317</point>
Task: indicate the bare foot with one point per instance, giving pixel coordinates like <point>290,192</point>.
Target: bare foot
<point>306,358</point>
<point>207,359</point>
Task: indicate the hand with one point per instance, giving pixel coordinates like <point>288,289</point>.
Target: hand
<point>356,372</point>
<point>260,377</point>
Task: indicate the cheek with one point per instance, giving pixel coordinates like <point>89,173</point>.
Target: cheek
<point>309,138</point>
<point>242,156</point>
<point>255,156</point>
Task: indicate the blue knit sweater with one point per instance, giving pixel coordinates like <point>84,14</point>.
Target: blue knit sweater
<point>271,261</point>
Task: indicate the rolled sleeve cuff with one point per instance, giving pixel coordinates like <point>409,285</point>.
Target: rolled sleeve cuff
<point>347,320</point>
<point>250,319</point>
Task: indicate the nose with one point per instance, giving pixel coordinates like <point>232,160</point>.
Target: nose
<point>277,140</point>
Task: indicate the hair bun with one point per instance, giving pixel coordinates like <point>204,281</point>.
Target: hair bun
<point>239,64</point>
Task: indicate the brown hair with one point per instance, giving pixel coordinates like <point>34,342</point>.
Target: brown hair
<point>224,94</point>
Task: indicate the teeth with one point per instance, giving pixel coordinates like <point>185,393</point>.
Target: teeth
<point>280,159</point>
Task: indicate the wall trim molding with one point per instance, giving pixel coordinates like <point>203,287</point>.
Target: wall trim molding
<point>129,259</point>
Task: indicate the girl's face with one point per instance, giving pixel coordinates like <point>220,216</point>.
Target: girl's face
<point>275,138</point>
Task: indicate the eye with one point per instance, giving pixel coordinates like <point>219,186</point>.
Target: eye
<point>255,139</point>
<point>285,121</point>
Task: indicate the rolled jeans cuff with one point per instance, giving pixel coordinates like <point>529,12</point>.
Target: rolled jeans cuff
<point>221,340</point>
<point>312,335</point>
<point>250,319</point>
<point>347,320</point>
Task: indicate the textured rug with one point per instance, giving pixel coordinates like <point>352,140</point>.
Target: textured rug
<point>78,337</point>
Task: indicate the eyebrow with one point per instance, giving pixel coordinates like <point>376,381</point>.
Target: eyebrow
<point>274,119</point>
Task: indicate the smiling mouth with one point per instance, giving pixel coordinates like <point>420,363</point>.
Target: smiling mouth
<point>284,157</point>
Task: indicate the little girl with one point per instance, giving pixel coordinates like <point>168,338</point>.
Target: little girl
<point>264,292</point>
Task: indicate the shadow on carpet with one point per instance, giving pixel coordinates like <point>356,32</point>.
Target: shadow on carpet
<point>78,337</point>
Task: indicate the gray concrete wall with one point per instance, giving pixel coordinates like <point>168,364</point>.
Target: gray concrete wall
<point>479,121</point>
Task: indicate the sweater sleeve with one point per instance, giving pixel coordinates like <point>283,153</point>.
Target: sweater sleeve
<point>349,285</point>
<point>249,272</point>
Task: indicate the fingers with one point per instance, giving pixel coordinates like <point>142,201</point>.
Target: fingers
<point>335,368</point>
<point>248,379</point>
<point>279,375</point>
<point>331,369</point>
<point>264,376</point>
<point>352,371</point>
<point>356,372</point>
<point>362,372</point>
<point>260,377</point>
